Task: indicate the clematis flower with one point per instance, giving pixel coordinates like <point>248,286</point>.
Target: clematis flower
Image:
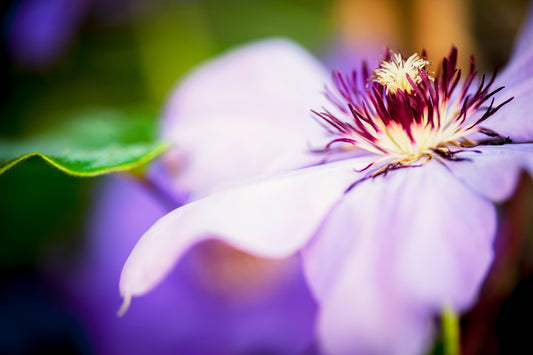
<point>397,220</point>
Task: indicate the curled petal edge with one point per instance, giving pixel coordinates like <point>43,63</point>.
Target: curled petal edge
<point>260,218</point>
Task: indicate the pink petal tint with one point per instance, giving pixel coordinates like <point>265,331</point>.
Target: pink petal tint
<point>515,121</point>
<point>232,120</point>
<point>519,66</point>
<point>494,170</point>
<point>217,301</point>
<point>388,250</point>
<point>385,247</point>
<point>285,199</point>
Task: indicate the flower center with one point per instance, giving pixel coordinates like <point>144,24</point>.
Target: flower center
<point>403,114</point>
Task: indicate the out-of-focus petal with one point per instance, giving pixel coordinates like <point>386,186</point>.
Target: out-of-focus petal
<point>523,45</point>
<point>418,240</point>
<point>519,66</point>
<point>219,154</point>
<point>360,317</point>
<point>348,268</point>
<point>268,309</point>
<point>445,235</point>
<point>245,113</point>
<point>345,58</point>
<point>272,218</point>
<point>252,79</point>
<point>40,30</point>
<point>493,171</point>
<point>514,119</point>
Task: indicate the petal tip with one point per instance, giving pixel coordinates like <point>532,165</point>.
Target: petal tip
<point>125,305</point>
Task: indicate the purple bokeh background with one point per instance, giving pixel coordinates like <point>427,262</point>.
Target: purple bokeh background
<point>267,309</point>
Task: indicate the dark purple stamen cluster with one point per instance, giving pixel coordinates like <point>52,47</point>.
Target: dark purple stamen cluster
<point>370,115</point>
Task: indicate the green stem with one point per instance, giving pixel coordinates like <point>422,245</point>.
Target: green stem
<point>450,331</point>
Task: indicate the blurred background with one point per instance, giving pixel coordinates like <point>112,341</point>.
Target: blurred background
<point>59,57</point>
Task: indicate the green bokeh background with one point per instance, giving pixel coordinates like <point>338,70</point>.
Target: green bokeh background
<point>128,64</point>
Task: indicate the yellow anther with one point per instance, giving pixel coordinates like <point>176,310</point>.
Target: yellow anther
<point>392,74</point>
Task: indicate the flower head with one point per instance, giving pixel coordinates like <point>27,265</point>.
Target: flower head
<point>405,114</point>
<point>383,251</point>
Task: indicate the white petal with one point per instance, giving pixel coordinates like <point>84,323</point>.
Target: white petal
<point>446,250</point>
<point>231,151</point>
<point>272,218</point>
<point>246,113</point>
<point>396,250</point>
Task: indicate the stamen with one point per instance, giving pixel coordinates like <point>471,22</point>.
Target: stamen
<point>393,74</point>
<point>404,114</point>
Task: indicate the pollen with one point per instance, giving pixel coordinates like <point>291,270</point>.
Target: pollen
<point>392,73</point>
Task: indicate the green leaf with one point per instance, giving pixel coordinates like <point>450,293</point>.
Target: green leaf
<point>94,143</point>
